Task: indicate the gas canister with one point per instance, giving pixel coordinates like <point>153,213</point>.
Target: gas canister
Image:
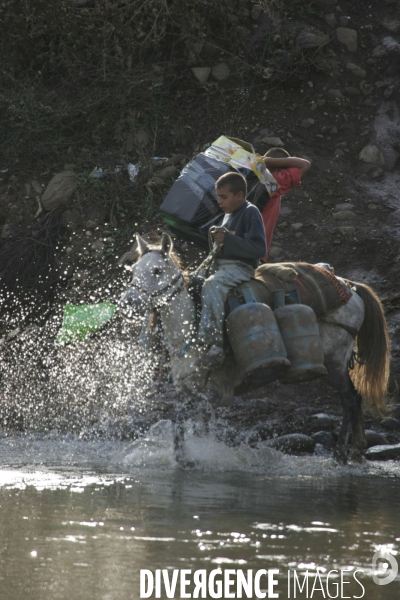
<point>257,343</point>
<point>300,333</point>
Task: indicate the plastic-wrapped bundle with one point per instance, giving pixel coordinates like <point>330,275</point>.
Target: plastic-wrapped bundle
<point>192,198</point>
<point>191,207</point>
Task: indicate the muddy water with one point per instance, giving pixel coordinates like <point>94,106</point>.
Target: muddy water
<point>78,519</point>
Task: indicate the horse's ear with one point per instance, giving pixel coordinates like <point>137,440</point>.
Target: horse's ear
<point>166,244</point>
<point>141,245</point>
<point>138,249</point>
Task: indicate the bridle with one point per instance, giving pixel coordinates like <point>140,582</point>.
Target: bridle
<point>178,278</point>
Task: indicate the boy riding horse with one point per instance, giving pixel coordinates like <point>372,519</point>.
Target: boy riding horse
<point>243,244</point>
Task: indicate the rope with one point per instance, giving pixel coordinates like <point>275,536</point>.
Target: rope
<point>354,358</point>
<point>351,330</point>
<point>215,249</point>
<point>162,290</point>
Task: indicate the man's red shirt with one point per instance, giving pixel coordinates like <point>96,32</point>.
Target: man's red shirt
<point>287,179</point>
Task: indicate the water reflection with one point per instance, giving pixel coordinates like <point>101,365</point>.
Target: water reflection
<point>85,531</point>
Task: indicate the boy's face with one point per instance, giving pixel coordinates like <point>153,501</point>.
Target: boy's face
<point>228,201</point>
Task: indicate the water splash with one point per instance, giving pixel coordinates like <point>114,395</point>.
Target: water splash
<point>46,387</point>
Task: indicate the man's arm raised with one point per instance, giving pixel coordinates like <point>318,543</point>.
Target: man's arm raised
<point>286,163</point>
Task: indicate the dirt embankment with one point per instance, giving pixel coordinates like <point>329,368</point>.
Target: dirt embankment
<point>321,76</point>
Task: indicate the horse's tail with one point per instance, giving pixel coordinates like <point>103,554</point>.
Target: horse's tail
<point>371,377</point>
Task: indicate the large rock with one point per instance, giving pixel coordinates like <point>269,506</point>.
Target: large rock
<point>166,172</point>
<point>264,432</point>
<point>378,52</point>
<point>98,246</point>
<point>275,251</point>
<point>335,94</point>
<point>344,206</point>
<point>391,423</point>
<point>347,230</point>
<point>311,38</point>
<point>356,70</point>
<point>37,187</point>
<point>348,37</point>
<point>330,19</point>
<point>325,438</point>
<point>273,141</point>
<point>201,74</point>
<point>6,231</point>
<point>392,25</point>
<point>374,438</point>
<point>220,72</point>
<point>256,11</point>
<point>383,452</point>
<point>293,443</point>
<point>59,190</point>
<point>353,91</point>
<point>321,421</point>
<point>371,154</point>
<point>175,160</point>
<point>297,226</point>
<point>344,215</point>
<point>142,138</point>
<point>338,153</point>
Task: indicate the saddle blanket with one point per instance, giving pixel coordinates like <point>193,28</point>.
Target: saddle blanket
<point>316,286</point>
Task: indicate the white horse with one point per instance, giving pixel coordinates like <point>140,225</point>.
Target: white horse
<point>158,285</point>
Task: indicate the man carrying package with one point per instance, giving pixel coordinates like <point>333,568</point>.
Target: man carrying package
<point>242,246</point>
<point>288,171</point>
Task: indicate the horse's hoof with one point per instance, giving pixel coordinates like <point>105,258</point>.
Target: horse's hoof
<point>212,359</point>
<point>238,401</point>
<point>187,464</point>
<point>340,455</point>
<point>357,456</point>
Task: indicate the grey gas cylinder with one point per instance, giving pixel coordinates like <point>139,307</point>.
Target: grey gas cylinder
<point>256,343</point>
<point>300,333</point>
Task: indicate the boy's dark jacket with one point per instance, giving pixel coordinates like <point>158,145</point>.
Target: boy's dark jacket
<point>245,240</point>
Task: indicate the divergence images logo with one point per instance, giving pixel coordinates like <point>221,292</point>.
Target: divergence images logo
<point>389,572</point>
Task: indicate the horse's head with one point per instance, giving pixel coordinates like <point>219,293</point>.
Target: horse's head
<point>156,277</point>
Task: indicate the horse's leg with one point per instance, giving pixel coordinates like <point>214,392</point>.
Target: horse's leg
<point>352,423</point>
<point>338,344</point>
<point>183,412</point>
<point>199,412</point>
<point>221,385</point>
<point>179,436</point>
<point>341,449</point>
<point>359,443</point>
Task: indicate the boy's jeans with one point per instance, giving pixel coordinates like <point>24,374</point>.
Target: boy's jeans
<point>227,275</point>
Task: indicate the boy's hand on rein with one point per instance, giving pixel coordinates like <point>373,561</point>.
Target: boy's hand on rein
<point>219,237</point>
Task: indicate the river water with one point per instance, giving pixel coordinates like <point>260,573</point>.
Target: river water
<point>80,519</point>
